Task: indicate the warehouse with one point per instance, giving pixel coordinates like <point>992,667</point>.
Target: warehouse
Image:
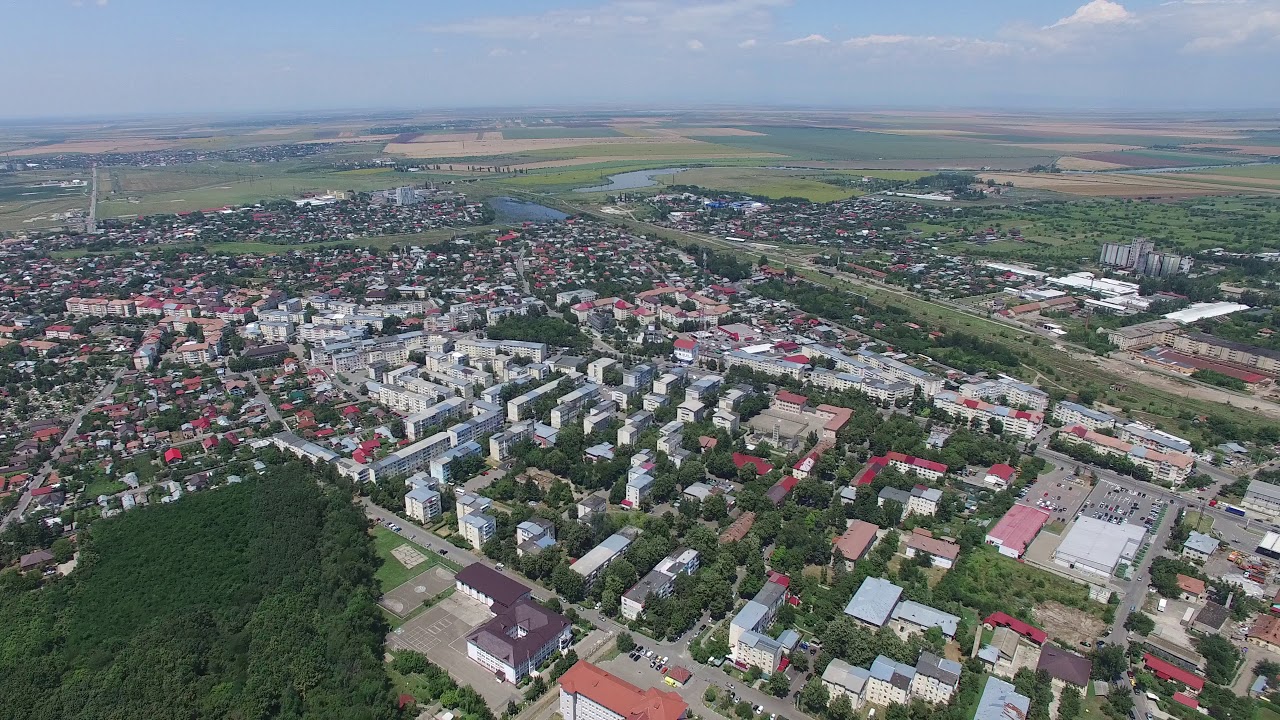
<point>1097,547</point>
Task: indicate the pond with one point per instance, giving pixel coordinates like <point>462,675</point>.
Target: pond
<point>509,209</point>
<point>631,180</point>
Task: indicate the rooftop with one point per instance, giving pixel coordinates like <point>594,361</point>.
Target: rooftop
<point>874,601</point>
<point>517,634</point>
<point>504,590</point>
<point>1065,666</point>
<point>620,696</point>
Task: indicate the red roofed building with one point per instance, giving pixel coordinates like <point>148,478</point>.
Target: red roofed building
<point>686,350</point>
<point>1184,699</point>
<point>589,693</point>
<point>172,455</point>
<point>762,467</point>
<point>789,402</point>
<point>904,464</point>
<point>781,489</point>
<point>1000,476</point>
<point>1168,671</point>
<point>1015,531</point>
<point>855,542</point>
<point>46,434</point>
<point>1000,619</point>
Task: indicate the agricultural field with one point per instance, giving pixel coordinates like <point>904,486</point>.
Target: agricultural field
<point>144,191</point>
<point>838,145</point>
<point>539,133</point>
<point>1270,171</point>
<point>766,183</point>
<point>1128,185</point>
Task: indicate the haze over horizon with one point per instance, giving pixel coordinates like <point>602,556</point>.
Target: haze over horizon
<point>115,57</point>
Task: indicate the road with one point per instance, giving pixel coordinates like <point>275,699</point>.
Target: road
<point>73,428</point>
<point>262,397</point>
<point>678,651</point>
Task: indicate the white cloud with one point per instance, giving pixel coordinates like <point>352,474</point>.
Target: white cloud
<point>748,43</point>
<point>499,52</point>
<point>1096,12</point>
<point>923,43</point>
<point>873,40</point>
<point>814,39</point>
<point>626,17</point>
<point>694,45</point>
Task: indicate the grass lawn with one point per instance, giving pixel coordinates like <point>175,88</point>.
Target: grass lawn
<point>1265,711</point>
<point>985,574</point>
<point>1201,523</point>
<point>766,183</point>
<point>393,573</point>
<point>103,487</point>
<point>1056,527</point>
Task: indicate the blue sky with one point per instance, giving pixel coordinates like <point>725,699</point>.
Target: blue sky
<point>102,57</point>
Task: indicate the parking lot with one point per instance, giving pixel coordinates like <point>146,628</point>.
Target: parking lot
<point>441,632</point>
<point>1116,504</point>
<point>1059,493</point>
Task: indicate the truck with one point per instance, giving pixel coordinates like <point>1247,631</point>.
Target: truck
<point>1239,512</point>
<point>1163,604</point>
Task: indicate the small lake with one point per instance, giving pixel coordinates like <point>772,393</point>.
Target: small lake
<point>631,180</point>
<point>509,209</point>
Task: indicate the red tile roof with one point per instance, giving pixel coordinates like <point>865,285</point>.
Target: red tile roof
<point>1168,671</point>
<point>1019,527</point>
<point>762,467</point>
<point>787,396</point>
<point>1002,471</point>
<point>1185,699</point>
<point>1000,619</point>
<point>620,696</point>
<point>853,544</point>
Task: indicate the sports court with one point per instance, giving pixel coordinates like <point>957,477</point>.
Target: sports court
<point>440,633</point>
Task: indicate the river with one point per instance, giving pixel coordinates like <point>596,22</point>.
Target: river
<point>631,180</point>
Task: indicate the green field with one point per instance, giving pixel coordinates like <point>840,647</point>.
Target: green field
<point>1265,711</point>
<point>855,145</point>
<point>555,133</point>
<point>103,487</point>
<point>201,185</point>
<point>765,183</point>
<point>641,150</point>
<point>1270,171</point>
<point>393,574</point>
<point>1189,157</point>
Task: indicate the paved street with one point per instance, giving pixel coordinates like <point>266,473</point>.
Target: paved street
<point>677,651</point>
<point>73,428</point>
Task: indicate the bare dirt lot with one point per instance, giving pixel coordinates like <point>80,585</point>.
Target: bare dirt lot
<point>1068,624</point>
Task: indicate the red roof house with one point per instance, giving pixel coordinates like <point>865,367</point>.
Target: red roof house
<point>172,455</point>
<point>1168,671</point>
<point>762,467</point>
<point>1000,619</point>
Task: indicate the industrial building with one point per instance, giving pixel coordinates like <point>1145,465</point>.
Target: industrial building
<point>1097,547</point>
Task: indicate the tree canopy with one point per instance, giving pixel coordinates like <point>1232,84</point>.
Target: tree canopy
<point>251,601</point>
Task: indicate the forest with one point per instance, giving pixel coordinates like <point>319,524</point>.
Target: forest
<point>255,600</point>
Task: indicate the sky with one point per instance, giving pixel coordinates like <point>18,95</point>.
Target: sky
<point>93,58</point>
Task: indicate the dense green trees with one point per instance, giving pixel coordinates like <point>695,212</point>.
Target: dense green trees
<point>251,601</point>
